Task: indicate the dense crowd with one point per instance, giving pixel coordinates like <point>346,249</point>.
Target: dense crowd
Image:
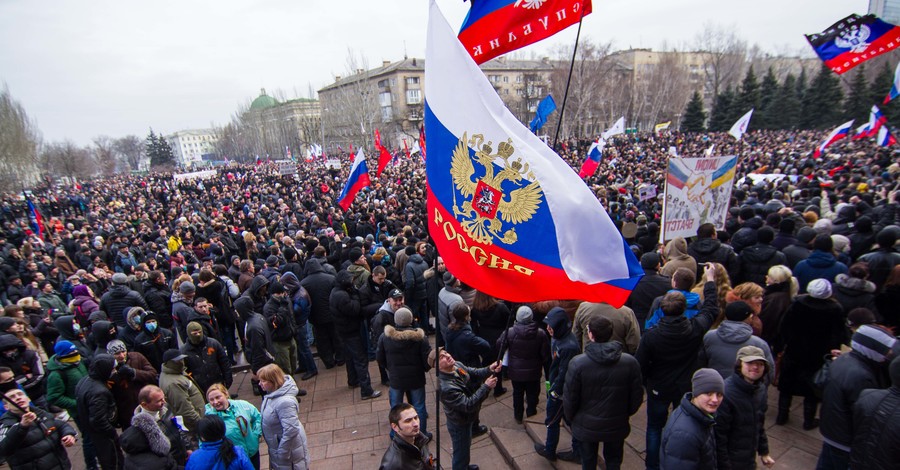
<point>125,311</point>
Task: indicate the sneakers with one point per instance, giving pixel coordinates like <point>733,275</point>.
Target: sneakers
<point>375,394</point>
<point>543,452</point>
<point>569,456</point>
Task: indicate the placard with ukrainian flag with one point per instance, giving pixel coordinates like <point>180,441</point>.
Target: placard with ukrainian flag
<point>697,192</point>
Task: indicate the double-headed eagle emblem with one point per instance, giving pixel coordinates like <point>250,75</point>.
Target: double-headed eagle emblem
<point>489,203</point>
<point>855,39</point>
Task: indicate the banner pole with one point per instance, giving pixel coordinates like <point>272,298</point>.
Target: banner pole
<point>562,110</point>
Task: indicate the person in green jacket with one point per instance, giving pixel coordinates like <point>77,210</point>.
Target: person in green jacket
<point>243,422</point>
<point>182,394</point>
<point>64,370</point>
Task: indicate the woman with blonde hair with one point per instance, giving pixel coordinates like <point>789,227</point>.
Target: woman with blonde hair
<point>281,426</point>
<point>781,288</point>
<point>243,422</point>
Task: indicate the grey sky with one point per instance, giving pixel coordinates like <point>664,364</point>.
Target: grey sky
<point>117,67</point>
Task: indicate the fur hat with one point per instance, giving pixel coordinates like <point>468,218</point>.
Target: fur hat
<point>403,317</point>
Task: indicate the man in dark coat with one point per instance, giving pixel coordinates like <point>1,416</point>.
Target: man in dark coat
<point>409,444</point>
<point>348,316</point>
<point>563,347</point>
<point>850,374</point>
<point>651,286</point>
<point>740,419</point>
<point>821,264</point>
<point>158,296</point>
<point>603,389</point>
<point>414,285</point>
<point>26,366</point>
<point>756,259</point>
<point>258,341</point>
<point>31,437</point>
<point>118,298</point>
<point>882,260</point>
<point>207,360</point>
<point>403,351</point>
<point>154,340</point>
<point>876,425</point>
<point>95,400</point>
<point>746,235</point>
<point>668,357</point>
<point>319,283</point>
<point>529,352</point>
<point>688,440</point>
<point>280,319</point>
<point>801,249</point>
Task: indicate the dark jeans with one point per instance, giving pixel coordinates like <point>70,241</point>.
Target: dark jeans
<point>657,414</point>
<point>833,458</point>
<point>327,344</point>
<point>226,332</point>
<point>419,310</point>
<point>416,398</point>
<point>613,451</point>
<point>461,439</point>
<point>87,445</point>
<point>255,460</point>
<point>304,354</point>
<point>357,363</point>
<point>553,421</point>
<point>109,454</point>
<point>370,345</point>
<point>530,389</point>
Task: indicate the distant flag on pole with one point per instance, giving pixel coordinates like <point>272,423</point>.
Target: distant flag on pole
<point>661,127</point>
<point>895,87</point>
<point>617,128</point>
<point>740,127</point>
<point>861,132</point>
<point>494,27</point>
<point>384,157</point>
<point>594,157</point>
<point>422,140</point>
<point>876,121</point>
<point>885,138</point>
<point>352,155</point>
<point>358,179</point>
<point>258,160</point>
<point>544,109</point>
<point>34,216</point>
<point>837,134</point>
<point>708,152</point>
<point>406,149</point>
<point>854,40</point>
<point>508,215</point>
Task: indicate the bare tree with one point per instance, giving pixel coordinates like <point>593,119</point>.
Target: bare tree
<point>351,113</point>
<point>724,56</point>
<point>104,154</point>
<point>130,151</point>
<point>65,159</point>
<point>19,141</point>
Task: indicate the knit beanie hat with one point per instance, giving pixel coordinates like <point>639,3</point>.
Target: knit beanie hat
<point>355,254</point>
<point>524,315</point>
<point>872,342</point>
<point>187,287</point>
<point>194,326</point>
<point>80,290</point>
<point>116,346</point>
<point>738,311</point>
<point>403,317</point>
<point>819,288</point>
<point>64,349</point>
<point>6,323</point>
<point>707,381</point>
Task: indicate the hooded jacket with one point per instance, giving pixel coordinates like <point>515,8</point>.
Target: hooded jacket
<point>465,347</point>
<point>258,340</point>
<point>181,310</point>
<point>280,318</point>
<point>746,235</point>
<point>563,347</point>
<point>693,307</point>
<point>245,410</point>
<point>84,305</point>
<point>720,347</point>
<point>154,345</point>
<point>28,448</point>
<point>254,292</point>
<point>117,299</point>
<point>677,256</point>
<point>403,352</point>
<point>688,440</point>
<point>755,261</point>
<point>819,265</point>
<point>282,430</point>
<point>159,301</point>
<point>853,293</point>
<point>603,389</point>
<point>95,399</point>
<point>183,396</point>
<point>319,284</point>
<point>25,362</point>
<point>62,379</point>
<point>414,277</point>
<point>101,336</point>
<point>850,374</point>
<point>740,424</point>
<point>145,445</point>
<point>345,306</point>
<point>876,426</point>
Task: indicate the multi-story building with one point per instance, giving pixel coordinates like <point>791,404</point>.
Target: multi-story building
<point>887,10</point>
<point>282,129</point>
<point>190,146</point>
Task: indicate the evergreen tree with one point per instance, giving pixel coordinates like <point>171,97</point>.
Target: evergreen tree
<point>768,93</point>
<point>720,119</point>
<point>749,96</point>
<point>694,116</point>
<point>822,101</point>
<point>159,151</point>
<point>857,104</point>
<point>800,93</point>
<point>880,87</point>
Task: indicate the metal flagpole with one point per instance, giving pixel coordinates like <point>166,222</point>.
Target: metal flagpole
<point>562,110</point>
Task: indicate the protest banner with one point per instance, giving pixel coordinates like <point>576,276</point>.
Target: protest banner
<point>697,192</point>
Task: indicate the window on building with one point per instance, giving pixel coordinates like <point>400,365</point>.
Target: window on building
<point>413,97</point>
<point>506,79</point>
<point>383,83</point>
<point>518,79</point>
<point>412,81</point>
<point>384,99</point>
<point>494,78</point>
<point>387,114</point>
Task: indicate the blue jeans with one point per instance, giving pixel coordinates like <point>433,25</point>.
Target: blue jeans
<point>613,452</point>
<point>370,345</point>
<point>833,458</point>
<point>554,418</point>
<point>87,446</point>
<point>304,354</point>
<point>416,399</point>
<point>461,439</point>
<point>657,414</point>
<point>357,364</point>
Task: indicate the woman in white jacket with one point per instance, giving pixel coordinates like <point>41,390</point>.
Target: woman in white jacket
<point>282,430</point>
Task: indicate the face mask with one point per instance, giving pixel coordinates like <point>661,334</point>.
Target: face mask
<point>151,327</point>
<point>195,339</point>
<point>76,328</point>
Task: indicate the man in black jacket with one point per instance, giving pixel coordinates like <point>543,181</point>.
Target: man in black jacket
<point>746,235</point>
<point>280,318</point>
<point>206,361</point>
<point>651,286</point>
<point>708,249</point>
<point>876,425</point>
<point>32,437</point>
<point>158,297</point>
<point>668,356</point>
<point>258,340</point>
<point>118,298</point>
<point>756,259</point>
<point>603,389</point>
<point>403,352</point>
<point>348,316</point>
<point>409,445</point>
<point>850,374</point>
<point>95,400</point>
<point>318,283</point>
<point>463,389</point>
<point>563,347</point>
<point>154,340</point>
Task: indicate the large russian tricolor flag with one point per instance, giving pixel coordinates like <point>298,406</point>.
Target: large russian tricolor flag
<point>594,157</point>
<point>358,179</point>
<point>854,40</point>
<point>494,27</point>
<point>508,215</point>
<point>837,134</point>
<point>885,138</point>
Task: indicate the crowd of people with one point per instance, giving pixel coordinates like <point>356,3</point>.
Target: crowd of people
<point>127,307</point>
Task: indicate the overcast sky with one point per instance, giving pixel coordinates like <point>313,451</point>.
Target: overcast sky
<point>118,67</point>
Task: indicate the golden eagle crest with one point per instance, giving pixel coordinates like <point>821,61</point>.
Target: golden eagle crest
<point>486,205</point>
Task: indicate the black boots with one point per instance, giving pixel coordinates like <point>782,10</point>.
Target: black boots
<point>809,414</point>
<point>784,409</point>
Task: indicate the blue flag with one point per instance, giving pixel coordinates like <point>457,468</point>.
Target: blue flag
<point>544,109</point>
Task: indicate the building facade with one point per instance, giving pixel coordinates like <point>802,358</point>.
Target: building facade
<point>190,146</point>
